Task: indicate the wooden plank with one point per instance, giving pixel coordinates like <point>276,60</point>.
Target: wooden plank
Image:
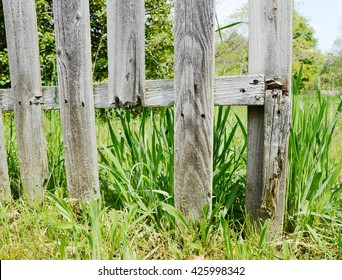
<point>277,128</point>
<point>22,44</point>
<point>270,39</point>
<point>239,90</point>
<point>194,105</point>
<point>159,93</point>
<point>126,52</point>
<point>72,27</point>
<point>5,191</point>
<point>6,99</point>
<point>234,90</point>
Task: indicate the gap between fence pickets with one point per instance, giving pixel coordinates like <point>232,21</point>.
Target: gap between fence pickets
<point>5,191</point>
<point>234,90</point>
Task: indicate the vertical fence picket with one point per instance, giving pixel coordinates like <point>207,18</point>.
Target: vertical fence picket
<point>5,191</point>
<point>22,44</point>
<point>126,52</point>
<point>194,105</point>
<point>269,53</point>
<point>72,27</point>
<point>277,128</point>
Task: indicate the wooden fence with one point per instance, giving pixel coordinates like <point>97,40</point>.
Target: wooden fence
<point>194,90</point>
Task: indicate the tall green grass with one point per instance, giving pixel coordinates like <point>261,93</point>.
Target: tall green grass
<point>314,186</point>
<point>135,217</point>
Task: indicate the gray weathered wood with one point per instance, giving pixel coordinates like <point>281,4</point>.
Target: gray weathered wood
<point>6,99</point>
<point>270,40</point>
<point>22,44</point>
<point>5,191</point>
<point>277,128</point>
<point>194,105</point>
<point>72,27</point>
<point>159,93</point>
<point>239,90</point>
<point>126,51</point>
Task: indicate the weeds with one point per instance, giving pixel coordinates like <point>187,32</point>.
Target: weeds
<point>313,174</point>
<point>135,217</point>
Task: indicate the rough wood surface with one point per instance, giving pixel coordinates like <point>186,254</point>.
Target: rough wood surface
<point>194,105</point>
<point>5,191</point>
<point>22,44</point>
<point>270,47</point>
<point>239,90</point>
<point>235,90</point>
<point>126,51</point>
<point>72,27</point>
<point>277,128</point>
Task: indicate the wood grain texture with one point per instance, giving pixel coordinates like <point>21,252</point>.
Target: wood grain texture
<point>126,51</point>
<point>277,128</point>
<point>5,191</point>
<point>235,90</point>
<point>72,27</point>
<point>22,44</point>
<point>194,104</point>
<point>270,47</point>
<point>239,90</point>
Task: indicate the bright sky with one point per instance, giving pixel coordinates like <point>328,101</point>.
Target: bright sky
<point>325,17</point>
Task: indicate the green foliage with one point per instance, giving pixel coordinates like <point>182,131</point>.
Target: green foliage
<point>229,161</point>
<point>4,68</point>
<point>313,171</point>
<point>305,52</point>
<point>231,55</point>
<point>138,158</point>
<point>231,50</point>
<point>159,39</point>
<point>331,77</point>
<point>98,25</point>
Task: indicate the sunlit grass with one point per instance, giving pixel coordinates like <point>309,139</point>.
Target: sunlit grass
<point>135,217</point>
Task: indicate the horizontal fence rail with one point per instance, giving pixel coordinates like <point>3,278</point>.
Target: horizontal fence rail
<point>238,90</point>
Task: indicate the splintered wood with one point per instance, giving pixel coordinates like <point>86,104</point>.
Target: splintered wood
<point>277,128</point>
<point>270,24</point>
<point>126,52</point>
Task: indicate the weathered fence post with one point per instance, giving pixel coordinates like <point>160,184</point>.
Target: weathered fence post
<point>5,191</point>
<point>126,52</point>
<point>270,46</point>
<point>194,105</point>
<point>75,83</point>
<point>23,51</point>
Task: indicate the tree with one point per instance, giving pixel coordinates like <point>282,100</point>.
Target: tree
<point>159,39</point>
<point>305,51</point>
<point>231,53</point>
<point>331,77</point>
